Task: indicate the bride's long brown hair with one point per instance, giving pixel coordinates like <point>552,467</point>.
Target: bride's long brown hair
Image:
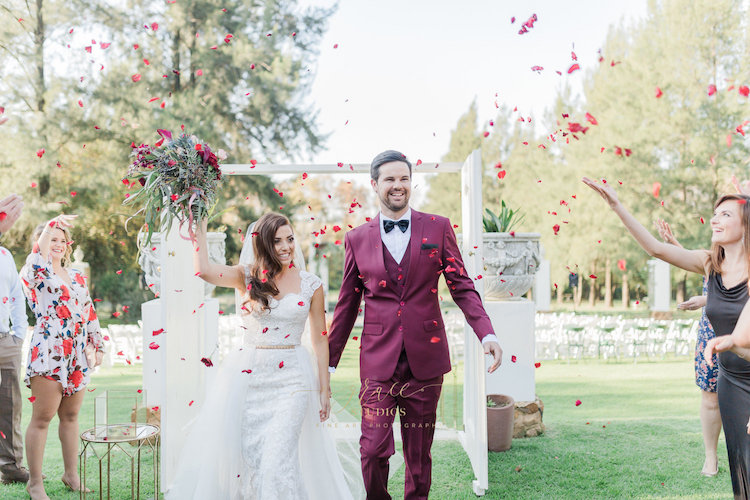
<point>263,272</point>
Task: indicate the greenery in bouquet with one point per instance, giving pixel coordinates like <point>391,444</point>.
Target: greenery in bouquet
<point>178,175</point>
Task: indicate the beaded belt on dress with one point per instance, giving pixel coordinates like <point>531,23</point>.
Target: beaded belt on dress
<point>282,346</point>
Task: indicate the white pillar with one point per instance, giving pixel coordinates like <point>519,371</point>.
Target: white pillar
<point>513,321</point>
<point>474,436</point>
<point>659,289</point>
<point>183,320</point>
<point>542,289</point>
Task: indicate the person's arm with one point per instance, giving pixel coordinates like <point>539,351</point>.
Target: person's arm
<point>693,303</point>
<point>17,303</point>
<point>94,335</point>
<point>689,260</point>
<point>216,274</point>
<point>466,297</point>
<point>320,347</point>
<point>666,232</point>
<point>347,307</point>
<point>10,210</point>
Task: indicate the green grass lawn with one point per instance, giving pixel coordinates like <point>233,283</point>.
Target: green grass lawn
<point>635,435</point>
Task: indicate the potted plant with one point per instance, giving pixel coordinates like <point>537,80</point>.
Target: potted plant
<point>510,259</point>
<point>500,415</point>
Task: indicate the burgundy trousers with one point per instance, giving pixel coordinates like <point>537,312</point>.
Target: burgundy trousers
<point>415,402</point>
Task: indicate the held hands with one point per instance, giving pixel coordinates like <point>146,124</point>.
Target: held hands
<point>494,349</point>
<point>11,206</point>
<point>693,303</point>
<point>605,191</point>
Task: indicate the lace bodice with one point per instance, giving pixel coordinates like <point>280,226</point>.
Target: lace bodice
<point>284,323</point>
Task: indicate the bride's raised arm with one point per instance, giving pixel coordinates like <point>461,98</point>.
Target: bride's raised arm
<point>216,274</point>
<point>689,260</point>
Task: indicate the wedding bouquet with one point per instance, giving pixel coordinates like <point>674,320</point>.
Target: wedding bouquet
<point>179,178</point>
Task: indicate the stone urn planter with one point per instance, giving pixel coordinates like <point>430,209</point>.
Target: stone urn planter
<point>500,417</point>
<point>510,262</point>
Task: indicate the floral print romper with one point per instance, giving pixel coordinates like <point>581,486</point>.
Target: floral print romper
<point>65,322</point>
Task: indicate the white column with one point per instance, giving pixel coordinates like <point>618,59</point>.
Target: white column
<point>474,436</point>
<point>542,290</point>
<point>513,321</point>
<point>183,319</point>
<point>659,289</point>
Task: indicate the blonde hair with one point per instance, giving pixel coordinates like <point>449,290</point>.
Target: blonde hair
<point>65,261</point>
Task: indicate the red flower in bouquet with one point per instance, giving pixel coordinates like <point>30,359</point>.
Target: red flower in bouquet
<point>179,174</point>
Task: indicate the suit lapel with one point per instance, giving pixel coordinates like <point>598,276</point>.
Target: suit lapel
<point>376,243</point>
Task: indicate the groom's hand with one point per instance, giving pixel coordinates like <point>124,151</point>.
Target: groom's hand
<point>497,353</point>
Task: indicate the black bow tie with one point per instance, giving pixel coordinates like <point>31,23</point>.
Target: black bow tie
<point>388,225</point>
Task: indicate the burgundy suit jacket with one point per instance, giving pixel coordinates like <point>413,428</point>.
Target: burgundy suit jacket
<point>406,316</point>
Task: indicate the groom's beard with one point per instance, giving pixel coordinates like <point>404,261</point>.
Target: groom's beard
<point>395,206</point>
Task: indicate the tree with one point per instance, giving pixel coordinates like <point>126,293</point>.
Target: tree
<point>232,74</point>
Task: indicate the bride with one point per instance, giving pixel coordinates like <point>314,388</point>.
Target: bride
<point>259,434</point>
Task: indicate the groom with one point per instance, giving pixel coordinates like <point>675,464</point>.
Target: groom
<point>395,260</point>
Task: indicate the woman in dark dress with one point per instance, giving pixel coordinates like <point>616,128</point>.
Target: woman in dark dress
<point>726,269</point>
<point>706,374</point>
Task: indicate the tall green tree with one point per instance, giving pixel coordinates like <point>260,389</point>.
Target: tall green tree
<point>234,74</point>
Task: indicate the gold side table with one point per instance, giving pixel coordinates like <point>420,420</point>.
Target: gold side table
<point>101,441</point>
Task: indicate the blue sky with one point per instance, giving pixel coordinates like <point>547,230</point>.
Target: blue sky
<point>405,70</point>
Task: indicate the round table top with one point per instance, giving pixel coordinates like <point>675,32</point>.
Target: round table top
<point>120,433</point>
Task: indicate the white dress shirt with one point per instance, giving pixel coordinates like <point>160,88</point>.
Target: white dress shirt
<point>12,301</point>
<point>396,241</point>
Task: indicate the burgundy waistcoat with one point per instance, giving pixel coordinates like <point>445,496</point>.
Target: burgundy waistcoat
<point>397,271</point>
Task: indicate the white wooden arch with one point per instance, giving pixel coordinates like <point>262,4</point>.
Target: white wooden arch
<point>188,326</point>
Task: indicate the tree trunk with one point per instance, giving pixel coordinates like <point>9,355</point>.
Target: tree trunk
<point>625,292</point>
<point>592,286</point>
<point>608,284</point>
<point>681,289</point>
<point>39,57</point>
<point>176,60</point>
<point>559,294</point>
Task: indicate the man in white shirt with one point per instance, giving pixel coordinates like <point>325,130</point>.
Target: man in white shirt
<point>13,326</point>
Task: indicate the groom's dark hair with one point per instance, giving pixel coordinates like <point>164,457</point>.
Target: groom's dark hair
<point>386,157</point>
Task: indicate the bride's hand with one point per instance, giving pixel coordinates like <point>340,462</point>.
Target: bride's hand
<point>325,405</point>
<point>604,189</point>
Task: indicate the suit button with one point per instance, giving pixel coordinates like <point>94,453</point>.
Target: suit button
<point>400,328</point>
<point>403,303</point>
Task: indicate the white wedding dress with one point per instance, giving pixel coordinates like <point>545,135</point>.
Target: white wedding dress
<point>258,434</point>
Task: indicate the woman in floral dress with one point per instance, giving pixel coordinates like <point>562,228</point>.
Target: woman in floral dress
<point>65,346</point>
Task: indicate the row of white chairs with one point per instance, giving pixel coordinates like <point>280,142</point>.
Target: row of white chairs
<point>558,336</point>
